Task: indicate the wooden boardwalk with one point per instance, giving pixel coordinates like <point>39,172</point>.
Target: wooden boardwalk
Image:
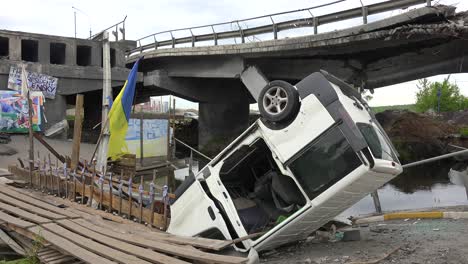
<point>73,233</point>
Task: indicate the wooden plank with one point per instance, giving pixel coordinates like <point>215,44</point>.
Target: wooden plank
<point>32,201</point>
<point>75,155</point>
<point>11,243</point>
<point>64,259</point>
<point>162,246</point>
<point>77,209</point>
<point>93,246</point>
<point>143,253</point>
<point>29,207</point>
<point>23,214</point>
<point>199,242</point>
<point>69,247</point>
<point>6,218</point>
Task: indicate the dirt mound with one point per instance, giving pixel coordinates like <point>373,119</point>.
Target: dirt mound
<point>416,136</point>
<point>459,118</point>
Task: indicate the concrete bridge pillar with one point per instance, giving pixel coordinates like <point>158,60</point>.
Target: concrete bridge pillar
<point>55,110</point>
<point>92,109</point>
<point>220,123</point>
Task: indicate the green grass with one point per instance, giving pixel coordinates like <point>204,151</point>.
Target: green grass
<point>378,109</point>
<point>17,261</point>
<point>464,131</point>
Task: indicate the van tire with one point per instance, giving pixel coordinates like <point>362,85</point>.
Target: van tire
<point>278,101</point>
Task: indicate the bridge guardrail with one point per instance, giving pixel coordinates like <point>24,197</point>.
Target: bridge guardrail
<point>274,28</point>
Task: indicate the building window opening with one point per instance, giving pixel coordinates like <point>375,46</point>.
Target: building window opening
<point>57,53</point>
<point>4,47</point>
<point>29,50</point>
<point>83,55</point>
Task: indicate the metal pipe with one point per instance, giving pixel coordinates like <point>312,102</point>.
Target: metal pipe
<point>194,150</point>
<point>441,157</point>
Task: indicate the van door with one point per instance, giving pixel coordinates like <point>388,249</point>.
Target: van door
<point>193,212</point>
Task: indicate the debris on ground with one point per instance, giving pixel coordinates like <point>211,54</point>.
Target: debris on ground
<point>7,150</point>
<point>4,138</point>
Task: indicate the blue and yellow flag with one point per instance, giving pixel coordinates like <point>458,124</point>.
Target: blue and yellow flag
<point>119,115</point>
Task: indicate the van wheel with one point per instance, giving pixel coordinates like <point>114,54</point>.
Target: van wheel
<point>278,101</point>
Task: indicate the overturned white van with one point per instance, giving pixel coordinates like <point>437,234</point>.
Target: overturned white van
<point>317,150</point>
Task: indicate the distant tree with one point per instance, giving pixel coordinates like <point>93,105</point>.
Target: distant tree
<point>367,95</point>
<point>450,97</point>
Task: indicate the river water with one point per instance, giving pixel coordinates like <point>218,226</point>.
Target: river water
<point>433,186</point>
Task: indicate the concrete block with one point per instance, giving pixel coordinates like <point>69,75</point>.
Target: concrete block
<point>353,234</point>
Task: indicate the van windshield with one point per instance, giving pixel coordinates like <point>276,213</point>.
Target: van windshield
<point>376,141</point>
<point>325,162</point>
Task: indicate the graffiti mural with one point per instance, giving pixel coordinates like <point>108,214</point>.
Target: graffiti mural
<point>36,82</point>
<point>154,137</point>
<point>14,112</point>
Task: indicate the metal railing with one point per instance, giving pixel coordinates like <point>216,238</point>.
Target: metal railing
<point>274,27</point>
<point>192,149</point>
<point>115,33</point>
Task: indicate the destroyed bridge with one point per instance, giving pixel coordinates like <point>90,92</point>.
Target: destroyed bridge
<point>423,40</point>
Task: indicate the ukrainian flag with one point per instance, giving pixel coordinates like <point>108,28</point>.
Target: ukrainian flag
<point>119,115</point>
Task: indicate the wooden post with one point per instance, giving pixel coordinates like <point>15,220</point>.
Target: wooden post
<point>31,139</point>
<point>110,193</point>
<point>65,173</point>
<point>120,192</point>
<point>75,156</point>
<point>40,177</point>
<point>83,184</point>
<point>375,197</point>
<point>130,184</point>
<point>151,193</point>
<point>38,166</point>
<point>74,185</point>
<point>141,137</point>
<point>140,193</point>
<point>39,170</point>
<point>57,176</point>
<point>165,197</point>
<point>51,180</point>
<point>92,185</point>
<point>101,187</point>
<point>45,175</point>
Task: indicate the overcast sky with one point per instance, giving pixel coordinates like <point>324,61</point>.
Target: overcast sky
<point>56,17</point>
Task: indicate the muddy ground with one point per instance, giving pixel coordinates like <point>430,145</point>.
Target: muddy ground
<point>20,144</point>
<point>423,241</point>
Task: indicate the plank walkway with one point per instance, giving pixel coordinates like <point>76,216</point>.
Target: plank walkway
<point>76,235</point>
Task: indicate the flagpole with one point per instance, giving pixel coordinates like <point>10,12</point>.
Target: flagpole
<point>106,94</point>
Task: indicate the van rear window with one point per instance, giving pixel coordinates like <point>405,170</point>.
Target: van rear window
<point>326,162</point>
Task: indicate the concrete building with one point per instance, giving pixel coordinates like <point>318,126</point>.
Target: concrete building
<point>77,63</point>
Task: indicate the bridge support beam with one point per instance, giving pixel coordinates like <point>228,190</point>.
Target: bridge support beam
<point>220,123</point>
<point>55,110</point>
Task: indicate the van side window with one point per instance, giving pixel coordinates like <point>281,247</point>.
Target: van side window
<point>328,160</point>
